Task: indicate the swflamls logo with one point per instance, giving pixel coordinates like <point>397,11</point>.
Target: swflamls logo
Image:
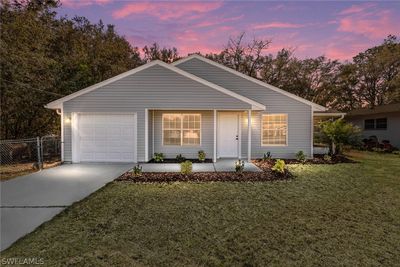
<point>22,261</point>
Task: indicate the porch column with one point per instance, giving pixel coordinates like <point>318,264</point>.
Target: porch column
<point>215,136</point>
<point>249,135</point>
<point>146,135</point>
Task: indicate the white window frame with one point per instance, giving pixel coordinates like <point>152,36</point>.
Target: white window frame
<point>181,129</point>
<point>262,130</point>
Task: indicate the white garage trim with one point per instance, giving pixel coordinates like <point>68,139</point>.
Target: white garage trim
<point>76,139</point>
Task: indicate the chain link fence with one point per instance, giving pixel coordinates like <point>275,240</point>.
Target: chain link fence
<point>22,156</point>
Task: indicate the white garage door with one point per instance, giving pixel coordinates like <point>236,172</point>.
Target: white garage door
<point>106,137</point>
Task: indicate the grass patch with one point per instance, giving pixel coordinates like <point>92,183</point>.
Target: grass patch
<point>344,214</point>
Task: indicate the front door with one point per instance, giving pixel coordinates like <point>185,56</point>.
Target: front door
<point>228,134</point>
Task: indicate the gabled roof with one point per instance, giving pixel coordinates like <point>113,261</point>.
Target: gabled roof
<point>395,107</point>
<point>57,103</point>
<point>315,106</point>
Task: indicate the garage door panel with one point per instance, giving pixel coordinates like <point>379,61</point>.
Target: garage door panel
<point>127,132</point>
<point>107,137</point>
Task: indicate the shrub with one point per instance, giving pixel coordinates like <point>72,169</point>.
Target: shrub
<point>137,170</point>
<point>202,156</point>
<point>239,165</point>
<point>158,157</point>
<point>338,133</point>
<point>186,167</point>
<point>300,156</point>
<point>327,157</point>
<point>179,158</point>
<point>267,156</point>
<point>279,166</point>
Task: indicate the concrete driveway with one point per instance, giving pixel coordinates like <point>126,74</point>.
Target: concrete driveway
<point>30,200</point>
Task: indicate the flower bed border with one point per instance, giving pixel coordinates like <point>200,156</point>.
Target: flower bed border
<point>170,177</point>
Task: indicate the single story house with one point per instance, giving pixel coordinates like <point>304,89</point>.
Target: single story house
<point>381,121</point>
<point>180,108</point>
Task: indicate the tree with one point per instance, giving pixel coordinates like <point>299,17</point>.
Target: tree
<point>337,133</point>
<point>244,57</point>
<point>378,71</point>
<point>43,58</point>
<point>344,94</point>
<point>154,52</point>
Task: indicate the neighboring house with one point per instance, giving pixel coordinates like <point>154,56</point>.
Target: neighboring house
<point>381,121</point>
<point>193,104</point>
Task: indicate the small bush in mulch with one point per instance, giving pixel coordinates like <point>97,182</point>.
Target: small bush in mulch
<point>168,177</point>
<point>179,160</point>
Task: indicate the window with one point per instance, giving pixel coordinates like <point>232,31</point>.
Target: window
<point>274,130</point>
<point>381,123</point>
<point>181,129</point>
<point>369,124</point>
<point>172,124</point>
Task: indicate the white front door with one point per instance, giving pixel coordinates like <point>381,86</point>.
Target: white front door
<point>228,134</point>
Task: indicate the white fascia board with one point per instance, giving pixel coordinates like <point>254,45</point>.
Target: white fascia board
<point>58,103</point>
<point>244,76</point>
<point>338,114</point>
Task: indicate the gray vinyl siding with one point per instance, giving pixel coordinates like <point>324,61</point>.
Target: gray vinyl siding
<point>392,133</point>
<point>299,114</point>
<point>154,88</point>
<point>207,136</point>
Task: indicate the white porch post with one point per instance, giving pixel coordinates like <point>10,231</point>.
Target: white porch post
<point>312,133</point>
<point>146,135</point>
<point>215,136</point>
<point>249,135</point>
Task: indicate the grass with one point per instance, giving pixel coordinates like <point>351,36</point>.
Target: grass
<point>345,214</point>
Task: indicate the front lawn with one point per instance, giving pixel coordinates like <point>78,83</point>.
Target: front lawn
<point>344,214</point>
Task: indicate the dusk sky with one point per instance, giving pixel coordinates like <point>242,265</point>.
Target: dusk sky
<point>338,30</point>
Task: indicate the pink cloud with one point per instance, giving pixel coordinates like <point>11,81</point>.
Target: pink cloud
<point>83,3</point>
<point>372,24</point>
<point>166,10</point>
<point>356,9</point>
<point>276,24</point>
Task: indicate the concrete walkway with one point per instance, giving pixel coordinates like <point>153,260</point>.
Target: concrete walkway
<point>30,200</point>
<point>222,165</point>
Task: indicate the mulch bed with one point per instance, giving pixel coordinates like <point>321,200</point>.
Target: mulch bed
<point>168,177</point>
<point>177,161</point>
<point>318,159</point>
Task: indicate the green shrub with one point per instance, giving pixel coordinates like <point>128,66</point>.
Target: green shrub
<point>267,156</point>
<point>327,157</point>
<point>186,167</point>
<point>202,156</point>
<point>279,166</point>
<point>137,170</point>
<point>158,157</point>
<point>239,165</point>
<point>300,156</point>
<point>338,133</point>
<point>179,158</point>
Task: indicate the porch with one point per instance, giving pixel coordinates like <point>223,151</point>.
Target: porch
<point>221,165</point>
<point>186,132</point>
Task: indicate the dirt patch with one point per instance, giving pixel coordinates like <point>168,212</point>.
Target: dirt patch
<point>177,161</point>
<point>168,177</point>
<point>14,170</point>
